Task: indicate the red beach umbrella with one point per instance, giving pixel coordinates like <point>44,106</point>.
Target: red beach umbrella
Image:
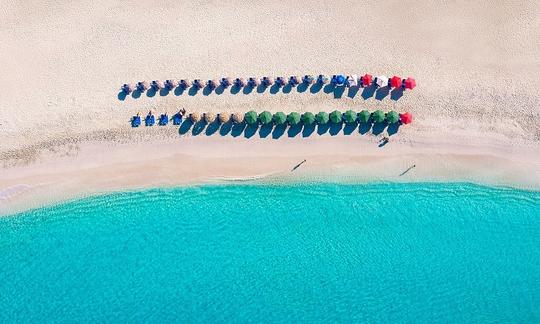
<point>405,118</point>
<point>410,83</point>
<point>396,82</point>
<point>366,80</point>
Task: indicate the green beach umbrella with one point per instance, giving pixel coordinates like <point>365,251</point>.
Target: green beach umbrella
<point>308,118</point>
<point>280,118</point>
<point>322,118</point>
<point>265,117</point>
<point>392,117</point>
<point>335,117</point>
<point>350,117</point>
<point>293,118</point>
<point>378,116</point>
<point>364,116</point>
<point>251,117</point>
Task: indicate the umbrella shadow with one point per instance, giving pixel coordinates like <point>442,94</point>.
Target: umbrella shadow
<point>294,130</point>
<point>265,130</point>
<point>250,130</point>
<point>261,88</point>
<point>364,128</point>
<point>122,96</point>
<point>335,128</point>
<point>393,129</point>
<point>302,87</point>
<point>151,92</point>
<point>378,128</point>
<point>247,89</point>
<point>212,128</point>
<point>338,92</point>
<point>136,94</point>
<point>287,88</point>
<point>185,126</point>
<point>198,127</point>
<point>308,130</point>
<point>353,91</point>
<point>315,88</point>
<point>207,90</point>
<point>237,129</point>
<point>193,91</point>
<point>163,92</point>
<point>396,94</point>
<point>381,93</point>
<point>278,131</point>
<point>322,128</point>
<point>235,89</point>
<point>219,90</point>
<point>368,92</point>
<point>225,128</point>
<point>178,91</point>
<point>329,88</point>
<point>349,128</point>
<point>274,89</point>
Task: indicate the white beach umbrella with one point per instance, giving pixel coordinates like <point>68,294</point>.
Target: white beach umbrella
<point>352,80</point>
<point>382,81</point>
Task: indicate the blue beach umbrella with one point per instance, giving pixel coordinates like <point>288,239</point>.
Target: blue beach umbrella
<point>340,79</point>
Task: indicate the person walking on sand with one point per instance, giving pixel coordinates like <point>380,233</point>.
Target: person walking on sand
<point>298,165</point>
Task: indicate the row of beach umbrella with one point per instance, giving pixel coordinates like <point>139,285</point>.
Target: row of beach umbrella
<point>280,118</point>
<point>337,80</point>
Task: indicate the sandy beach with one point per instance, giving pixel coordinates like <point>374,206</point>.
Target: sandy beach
<point>65,125</point>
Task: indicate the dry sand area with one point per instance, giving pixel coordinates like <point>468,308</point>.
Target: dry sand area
<point>476,64</point>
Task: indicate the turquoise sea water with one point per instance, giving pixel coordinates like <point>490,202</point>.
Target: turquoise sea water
<point>277,253</point>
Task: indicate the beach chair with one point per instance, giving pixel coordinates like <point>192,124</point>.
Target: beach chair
<point>150,120</point>
<point>163,120</point>
<point>136,121</point>
<point>177,119</point>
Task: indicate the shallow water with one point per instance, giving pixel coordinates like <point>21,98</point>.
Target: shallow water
<point>280,253</point>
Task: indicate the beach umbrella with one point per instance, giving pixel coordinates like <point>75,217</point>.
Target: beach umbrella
<point>280,118</point>
<point>251,117</point>
<point>339,79</point>
<point>396,82</point>
<point>212,84</point>
<point>352,80</point>
<point>171,84</point>
<point>195,117</point>
<point>309,79</point>
<point>405,118</point>
<point>254,82</point>
<point>294,80</point>
<point>238,118</point>
<point>209,117</point>
<point>364,116</point>
<point>367,79</point>
<point>322,118</point>
<point>335,117</point>
<point>381,81</point>
<point>157,85</point>
<point>143,86</point>
<point>378,116</point>
<point>267,81</point>
<point>308,118</point>
<point>323,79</point>
<point>185,83</point>
<point>197,83</point>
<point>350,117</point>
<point>392,117</point>
<point>280,81</point>
<point>226,82</point>
<point>410,83</point>
<point>240,82</point>
<point>293,118</point>
<point>265,117</point>
<point>128,88</point>
<point>224,117</point>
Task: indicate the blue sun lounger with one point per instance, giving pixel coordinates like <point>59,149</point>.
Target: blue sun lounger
<point>136,121</point>
<point>163,120</point>
<point>150,120</point>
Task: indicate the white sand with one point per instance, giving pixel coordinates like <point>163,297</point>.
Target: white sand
<point>476,106</point>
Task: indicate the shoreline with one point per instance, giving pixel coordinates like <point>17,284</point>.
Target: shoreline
<point>93,168</point>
